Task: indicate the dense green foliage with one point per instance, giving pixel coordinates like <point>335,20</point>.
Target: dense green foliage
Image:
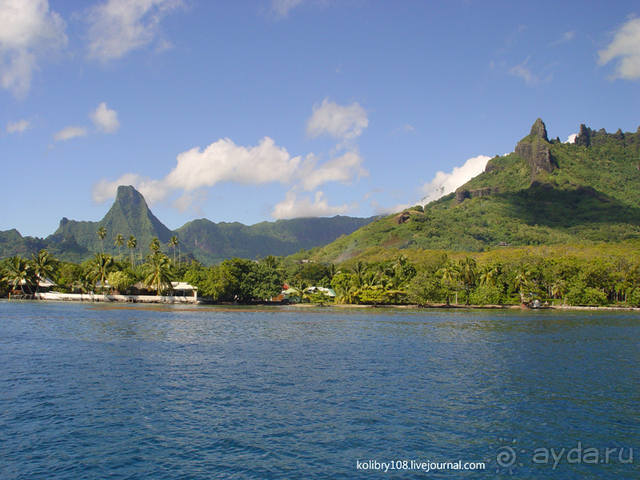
<point>604,274</point>
<point>203,240</point>
<point>592,195</point>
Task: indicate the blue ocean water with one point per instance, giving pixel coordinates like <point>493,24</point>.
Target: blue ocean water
<point>128,392</point>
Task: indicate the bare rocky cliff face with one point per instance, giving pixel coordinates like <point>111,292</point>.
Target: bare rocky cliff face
<point>536,149</point>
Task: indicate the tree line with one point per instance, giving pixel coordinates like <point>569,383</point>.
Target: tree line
<point>438,278</point>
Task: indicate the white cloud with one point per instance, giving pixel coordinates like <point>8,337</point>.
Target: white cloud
<point>340,169</point>
<point>152,190</point>
<point>117,27</point>
<point>18,126</point>
<point>294,207</point>
<point>382,210</point>
<point>566,37</point>
<point>28,30</point>
<point>523,72</point>
<point>344,122</point>
<point>70,132</point>
<point>281,8</point>
<point>445,183</point>
<point>625,48</point>
<point>571,138</point>
<point>223,160</point>
<point>105,119</point>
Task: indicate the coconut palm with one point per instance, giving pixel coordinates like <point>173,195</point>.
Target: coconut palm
<point>449,275</point>
<point>489,275</point>
<point>522,282</point>
<point>18,273</point>
<point>358,270</point>
<point>44,266</point>
<point>132,243</point>
<point>102,232</point>
<point>154,246</point>
<point>157,271</point>
<point>99,268</point>
<point>173,243</point>
<point>468,272</point>
<point>119,242</point>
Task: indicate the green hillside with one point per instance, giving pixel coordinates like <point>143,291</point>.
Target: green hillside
<point>203,239</point>
<point>129,215</point>
<point>211,242</point>
<point>545,192</point>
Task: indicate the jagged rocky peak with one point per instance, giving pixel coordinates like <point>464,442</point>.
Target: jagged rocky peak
<point>128,193</point>
<point>584,136</point>
<point>535,149</point>
<point>539,129</point>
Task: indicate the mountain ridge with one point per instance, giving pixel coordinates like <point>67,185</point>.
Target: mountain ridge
<point>544,192</point>
<point>201,239</point>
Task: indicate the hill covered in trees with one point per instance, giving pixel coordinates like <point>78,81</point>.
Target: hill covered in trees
<point>546,192</point>
<point>129,226</point>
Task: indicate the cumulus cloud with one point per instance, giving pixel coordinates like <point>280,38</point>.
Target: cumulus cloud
<point>105,119</point>
<point>340,169</point>
<point>18,126</point>
<point>445,183</point>
<point>117,27</point>
<point>571,138</point>
<point>223,160</point>
<point>294,207</point>
<point>29,30</point>
<point>281,8</point>
<point>339,121</point>
<point>625,48</point>
<point>70,132</point>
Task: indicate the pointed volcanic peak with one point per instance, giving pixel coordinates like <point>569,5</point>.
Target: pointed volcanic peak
<point>536,149</point>
<point>130,215</point>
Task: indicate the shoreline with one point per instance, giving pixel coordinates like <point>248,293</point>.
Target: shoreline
<point>171,300</point>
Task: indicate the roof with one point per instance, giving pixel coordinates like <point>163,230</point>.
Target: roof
<point>45,283</point>
<point>182,286</point>
<point>327,291</point>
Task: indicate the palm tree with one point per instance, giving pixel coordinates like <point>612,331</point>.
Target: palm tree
<point>489,275</point>
<point>154,246</point>
<point>132,243</point>
<point>358,270</point>
<point>449,275</point>
<point>522,282</point>
<point>43,265</point>
<point>157,271</point>
<point>99,268</point>
<point>102,232</point>
<point>18,273</point>
<point>173,243</point>
<point>119,242</point>
<point>468,273</point>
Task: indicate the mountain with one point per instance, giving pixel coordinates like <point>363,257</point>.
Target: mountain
<point>545,192</point>
<point>202,239</point>
<point>211,242</point>
<point>129,215</point>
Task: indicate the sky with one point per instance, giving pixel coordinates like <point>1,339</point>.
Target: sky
<point>260,110</point>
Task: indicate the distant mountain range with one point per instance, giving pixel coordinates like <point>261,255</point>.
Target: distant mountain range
<point>545,192</point>
<point>203,239</point>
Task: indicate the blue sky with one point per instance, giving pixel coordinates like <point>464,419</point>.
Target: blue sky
<point>256,110</point>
